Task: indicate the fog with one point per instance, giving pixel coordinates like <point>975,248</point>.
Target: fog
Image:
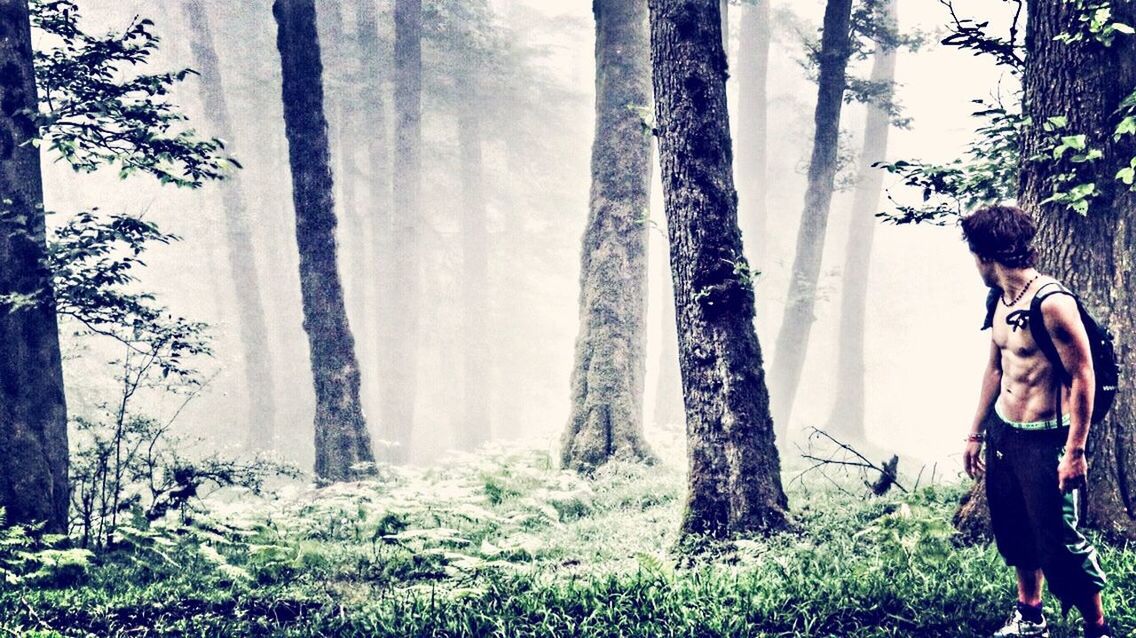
<point>924,348</point>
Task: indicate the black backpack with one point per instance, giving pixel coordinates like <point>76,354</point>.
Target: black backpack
<point>1105,369</point>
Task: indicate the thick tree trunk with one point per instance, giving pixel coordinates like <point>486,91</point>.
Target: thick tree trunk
<point>252,325</point>
<point>847,418</point>
<point>734,470</point>
<point>607,381</point>
<point>33,411</point>
<point>1085,83</point>
<point>753,71</point>
<point>474,426</point>
<point>341,432</point>
<point>400,344</point>
<point>793,338</point>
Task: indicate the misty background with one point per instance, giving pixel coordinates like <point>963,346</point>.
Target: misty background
<point>924,349</point>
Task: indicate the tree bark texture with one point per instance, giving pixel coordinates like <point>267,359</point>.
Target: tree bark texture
<point>341,432</point>
<point>796,326</point>
<point>33,411</point>
<point>474,427</point>
<point>753,98</point>
<point>251,323</point>
<point>848,414</point>
<point>608,377</point>
<point>400,347</point>
<point>1085,83</point>
<point>734,470</point>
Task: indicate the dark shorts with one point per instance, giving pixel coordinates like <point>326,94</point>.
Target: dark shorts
<point>1034,523</point>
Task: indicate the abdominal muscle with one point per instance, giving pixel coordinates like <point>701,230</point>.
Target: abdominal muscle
<point>1028,389</point>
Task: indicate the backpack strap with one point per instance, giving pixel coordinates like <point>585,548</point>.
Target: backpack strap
<point>1040,333</point>
<point>991,306</point>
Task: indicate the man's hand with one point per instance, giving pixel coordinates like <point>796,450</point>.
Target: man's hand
<point>1071,471</point>
<point>972,459</point>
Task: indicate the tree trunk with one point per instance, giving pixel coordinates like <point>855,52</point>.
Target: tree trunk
<point>734,470</point>
<point>1085,83</point>
<point>474,427</point>
<point>847,418</point>
<point>753,70</point>
<point>400,348</point>
<point>33,410</point>
<point>607,381</point>
<point>252,325</point>
<point>341,432</point>
<point>793,338</point>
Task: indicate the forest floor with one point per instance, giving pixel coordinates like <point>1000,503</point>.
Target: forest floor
<point>503,544</point>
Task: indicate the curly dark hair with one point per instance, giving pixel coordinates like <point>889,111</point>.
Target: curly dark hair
<point>1003,233</point>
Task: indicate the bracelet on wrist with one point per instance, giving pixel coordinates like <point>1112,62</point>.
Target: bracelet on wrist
<point>975,437</point>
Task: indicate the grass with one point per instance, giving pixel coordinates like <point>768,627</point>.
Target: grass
<point>503,544</point>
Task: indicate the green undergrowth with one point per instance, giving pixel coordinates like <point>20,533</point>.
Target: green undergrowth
<point>504,544</point>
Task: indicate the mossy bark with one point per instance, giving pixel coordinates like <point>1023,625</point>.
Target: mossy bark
<point>33,410</point>
<point>341,437</point>
<point>796,325</point>
<point>608,377</point>
<point>734,470</point>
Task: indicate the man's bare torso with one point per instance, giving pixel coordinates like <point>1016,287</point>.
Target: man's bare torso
<point>1028,379</point>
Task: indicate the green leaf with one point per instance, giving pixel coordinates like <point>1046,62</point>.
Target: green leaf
<point>1127,175</point>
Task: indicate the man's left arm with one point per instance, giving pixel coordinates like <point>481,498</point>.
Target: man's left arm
<point>1063,320</point>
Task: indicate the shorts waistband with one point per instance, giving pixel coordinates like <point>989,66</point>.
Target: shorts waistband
<point>1049,424</point>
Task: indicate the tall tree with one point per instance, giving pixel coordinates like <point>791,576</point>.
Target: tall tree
<point>251,323</point>
<point>607,381</point>
<point>1092,86</point>
<point>753,100</point>
<point>793,338</point>
<point>33,411</point>
<point>399,352</point>
<point>734,469</point>
<point>848,415</point>
<point>341,438</point>
<point>474,426</point>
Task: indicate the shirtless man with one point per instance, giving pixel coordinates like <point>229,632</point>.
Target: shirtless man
<point>1035,451</point>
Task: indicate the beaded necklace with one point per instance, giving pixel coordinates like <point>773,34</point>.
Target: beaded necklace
<point>1020,294</point>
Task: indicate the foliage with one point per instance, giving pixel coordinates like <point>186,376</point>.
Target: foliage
<point>94,112</point>
<point>969,34</point>
<point>987,173</point>
<point>872,30</point>
<point>505,544</point>
<point>29,557</point>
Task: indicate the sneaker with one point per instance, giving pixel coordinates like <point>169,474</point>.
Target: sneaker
<point>1017,625</point>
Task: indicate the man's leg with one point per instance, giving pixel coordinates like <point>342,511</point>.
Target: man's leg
<point>1029,586</point>
<point>1092,611</point>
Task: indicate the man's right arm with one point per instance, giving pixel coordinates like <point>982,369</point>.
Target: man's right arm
<point>991,386</point>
